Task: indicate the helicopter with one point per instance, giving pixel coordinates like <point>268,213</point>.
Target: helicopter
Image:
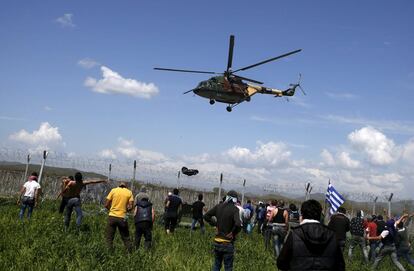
<point>228,87</point>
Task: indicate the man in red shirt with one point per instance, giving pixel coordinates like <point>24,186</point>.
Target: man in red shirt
<point>371,231</point>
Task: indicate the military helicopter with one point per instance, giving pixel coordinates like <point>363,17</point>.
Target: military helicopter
<point>229,88</point>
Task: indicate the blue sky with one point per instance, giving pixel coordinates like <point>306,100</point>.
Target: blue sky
<point>357,66</point>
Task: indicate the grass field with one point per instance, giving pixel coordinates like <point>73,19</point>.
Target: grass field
<point>41,244</point>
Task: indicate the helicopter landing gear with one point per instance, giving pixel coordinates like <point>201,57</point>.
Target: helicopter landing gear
<point>229,108</point>
<point>212,102</point>
<point>248,99</point>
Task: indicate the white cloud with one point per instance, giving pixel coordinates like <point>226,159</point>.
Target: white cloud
<point>327,158</point>
<point>408,151</point>
<point>107,153</point>
<point>66,20</point>
<point>345,160</point>
<point>87,63</point>
<point>265,155</point>
<point>113,83</point>
<point>395,126</point>
<point>126,149</point>
<point>45,137</point>
<point>379,149</point>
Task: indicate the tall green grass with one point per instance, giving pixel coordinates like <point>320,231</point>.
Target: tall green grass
<point>42,244</point>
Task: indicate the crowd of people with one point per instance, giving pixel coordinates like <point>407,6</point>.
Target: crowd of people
<point>298,237</point>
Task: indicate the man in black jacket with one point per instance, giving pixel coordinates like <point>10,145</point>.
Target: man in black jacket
<point>228,225</point>
<point>340,224</point>
<point>312,245</point>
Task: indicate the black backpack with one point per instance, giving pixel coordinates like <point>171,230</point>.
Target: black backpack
<point>144,212</point>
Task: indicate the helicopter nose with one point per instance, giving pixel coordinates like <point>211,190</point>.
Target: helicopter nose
<point>196,90</point>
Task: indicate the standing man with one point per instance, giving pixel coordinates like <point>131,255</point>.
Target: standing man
<point>30,192</point>
<point>172,208</point>
<point>311,245</point>
<point>119,201</point>
<point>198,207</point>
<point>228,225</point>
<point>144,217</point>
<point>260,216</point>
<point>340,224</point>
<point>72,194</point>
<point>357,232</point>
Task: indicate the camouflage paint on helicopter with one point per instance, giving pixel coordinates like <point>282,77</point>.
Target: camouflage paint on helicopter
<point>229,88</point>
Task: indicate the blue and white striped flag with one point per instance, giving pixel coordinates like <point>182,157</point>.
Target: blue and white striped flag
<point>333,198</point>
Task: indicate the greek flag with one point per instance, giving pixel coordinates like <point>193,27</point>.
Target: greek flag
<point>333,198</point>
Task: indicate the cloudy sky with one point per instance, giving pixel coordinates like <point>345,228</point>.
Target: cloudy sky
<point>77,77</point>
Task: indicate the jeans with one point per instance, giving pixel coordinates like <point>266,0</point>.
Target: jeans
<point>200,221</point>
<point>26,204</point>
<point>358,241</point>
<point>63,204</point>
<point>73,203</point>
<point>279,234</point>
<point>143,228</point>
<point>372,250</point>
<point>388,250</point>
<point>405,254</point>
<point>122,225</point>
<point>223,253</point>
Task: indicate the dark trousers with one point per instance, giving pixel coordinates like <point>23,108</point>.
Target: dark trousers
<point>122,225</point>
<point>223,253</point>
<point>63,204</point>
<point>143,228</point>
<point>170,223</point>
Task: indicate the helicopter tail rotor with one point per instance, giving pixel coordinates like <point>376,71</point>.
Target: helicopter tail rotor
<point>292,88</point>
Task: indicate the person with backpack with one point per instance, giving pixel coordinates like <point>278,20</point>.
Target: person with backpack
<point>340,224</point>
<point>357,231</point>
<point>228,225</point>
<point>144,217</point>
<point>388,238</point>
<point>29,196</point>
<point>247,216</point>
<point>172,208</point>
<point>197,209</point>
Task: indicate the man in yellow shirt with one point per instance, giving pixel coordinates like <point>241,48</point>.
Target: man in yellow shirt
<point>119,201</point>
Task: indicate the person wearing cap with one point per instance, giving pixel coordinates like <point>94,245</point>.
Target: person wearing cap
<point>30,192</point>
<point>142,194</point>
<point>228,225</point>
<point>119,201</point>
<point>357,233</point>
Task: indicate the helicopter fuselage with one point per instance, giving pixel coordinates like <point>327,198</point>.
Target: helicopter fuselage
<point>222,90</point>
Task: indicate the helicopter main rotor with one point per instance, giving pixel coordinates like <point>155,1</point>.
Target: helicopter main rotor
<point>229,73</point>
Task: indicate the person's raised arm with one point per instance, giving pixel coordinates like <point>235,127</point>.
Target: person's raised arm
<point>94,182</point>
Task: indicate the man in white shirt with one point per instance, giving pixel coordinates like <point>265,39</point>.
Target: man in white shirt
<point>30,192</point>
